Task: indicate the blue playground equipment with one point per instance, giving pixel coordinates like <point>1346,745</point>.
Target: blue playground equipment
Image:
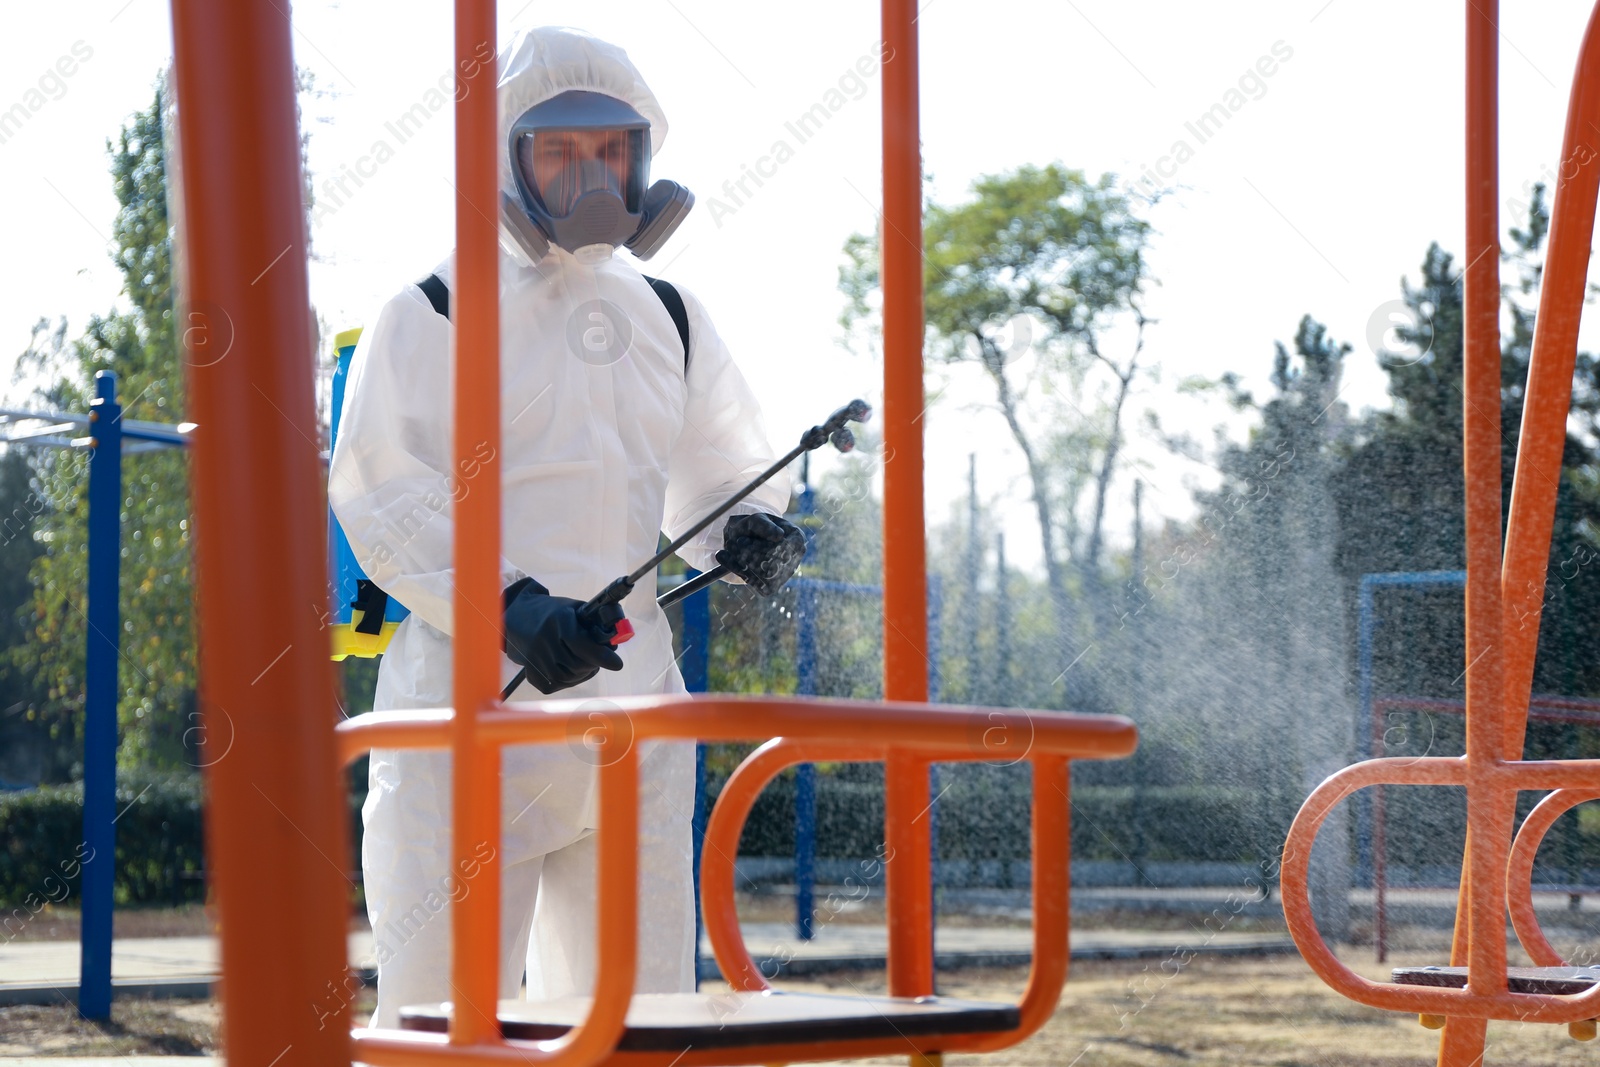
<point>109,437</point>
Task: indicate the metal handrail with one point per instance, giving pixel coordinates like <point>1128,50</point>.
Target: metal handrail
<point>813,729</point>
<point>1487,996</point>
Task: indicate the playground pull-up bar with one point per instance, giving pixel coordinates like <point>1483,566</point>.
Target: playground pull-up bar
<point>108,437</point>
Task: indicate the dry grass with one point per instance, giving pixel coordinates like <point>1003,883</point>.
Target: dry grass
<point>837,906</point>
<point>137,1028</point>
<point>1228,1012</point>
<point>166,1027</point>
<point>54,923</point>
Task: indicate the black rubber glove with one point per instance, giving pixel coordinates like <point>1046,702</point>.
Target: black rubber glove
<point>544,635</point>
<point>764,550</point>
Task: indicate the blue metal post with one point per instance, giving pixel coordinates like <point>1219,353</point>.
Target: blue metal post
<point>696,662</point>
<point>805,638</point>
<point>100,704</point>
<point>805,786</point>
<point>805,850</point>
<point>696,668</point>
<point>805,783</point>
<point>699,834</point>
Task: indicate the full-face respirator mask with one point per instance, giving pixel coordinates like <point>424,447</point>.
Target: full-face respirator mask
<point>581,161</point>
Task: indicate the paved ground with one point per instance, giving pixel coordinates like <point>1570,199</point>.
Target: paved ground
<point>184,965</point>
<point>842,946</point>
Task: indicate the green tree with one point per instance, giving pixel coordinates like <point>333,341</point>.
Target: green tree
<point>28,754</point>
<point>1028,279</point>
<point>1243,619</point>
<point>156,678</point>
<point>1401,498</point>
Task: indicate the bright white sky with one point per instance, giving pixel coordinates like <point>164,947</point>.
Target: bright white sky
<point>1317,196</point>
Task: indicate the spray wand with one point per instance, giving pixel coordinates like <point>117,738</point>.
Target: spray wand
<point>601,609</point>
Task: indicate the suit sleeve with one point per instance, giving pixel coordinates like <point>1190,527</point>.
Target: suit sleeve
<point>722,446</point>
<point>393,480</point>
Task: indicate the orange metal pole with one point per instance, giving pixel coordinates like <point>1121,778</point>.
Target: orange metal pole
<point>1489,805</point>
<point>905,598</point>
<point>1549,394</point>
<point>1480,904</point>
<point>905,595</point>
<point>475,920</point>
<point>275,834</point>
<point>1481,386</point>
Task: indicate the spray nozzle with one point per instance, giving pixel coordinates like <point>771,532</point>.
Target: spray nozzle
<point>835,430</point>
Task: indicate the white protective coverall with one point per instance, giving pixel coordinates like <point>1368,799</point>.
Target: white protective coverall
<point>600,449</point>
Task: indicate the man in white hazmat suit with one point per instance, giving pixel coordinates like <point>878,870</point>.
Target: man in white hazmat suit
<point>614,427</point>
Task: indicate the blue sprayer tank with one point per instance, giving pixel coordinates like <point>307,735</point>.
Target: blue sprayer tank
<point>344,571</point>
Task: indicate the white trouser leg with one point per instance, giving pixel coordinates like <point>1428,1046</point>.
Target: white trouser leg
<point>409,906</point>
<point>562,956</point>
<point>519,891</point>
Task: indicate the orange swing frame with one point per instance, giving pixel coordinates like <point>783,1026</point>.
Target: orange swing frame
<point>1504,595</point>
<point>276,810</point>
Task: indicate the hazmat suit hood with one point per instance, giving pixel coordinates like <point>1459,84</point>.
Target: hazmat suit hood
<point>541,64</point>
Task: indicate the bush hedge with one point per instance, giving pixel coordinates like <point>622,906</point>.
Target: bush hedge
<point>982,814</point>
<point>159,852</point>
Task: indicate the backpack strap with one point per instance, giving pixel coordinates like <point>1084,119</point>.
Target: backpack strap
<point>437,292</point>
<point>438,295</point>
<point>673,302</point>
<point>373,603</point>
